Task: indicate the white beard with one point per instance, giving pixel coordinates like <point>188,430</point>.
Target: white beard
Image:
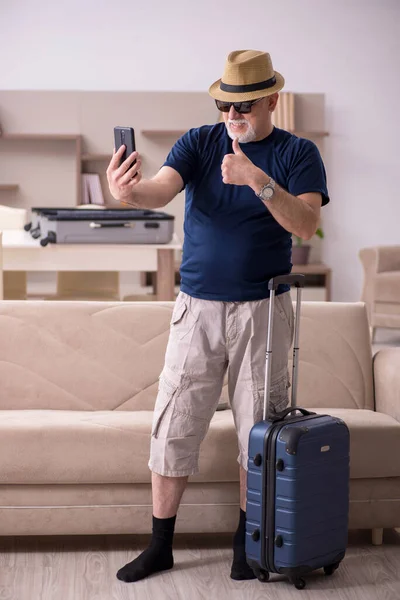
<point>243,138</point>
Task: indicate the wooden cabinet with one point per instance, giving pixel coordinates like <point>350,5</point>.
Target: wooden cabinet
<point>317,281</point>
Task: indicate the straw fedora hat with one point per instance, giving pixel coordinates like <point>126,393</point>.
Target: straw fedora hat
<point>248,75</point>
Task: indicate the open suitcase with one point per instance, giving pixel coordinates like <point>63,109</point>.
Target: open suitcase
<point>297,481</point>
<point>100,226</point>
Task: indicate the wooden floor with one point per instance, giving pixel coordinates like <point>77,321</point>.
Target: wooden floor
<point>83,568</point>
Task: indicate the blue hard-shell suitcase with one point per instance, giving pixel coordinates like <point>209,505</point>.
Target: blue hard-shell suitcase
<point>297,481</point>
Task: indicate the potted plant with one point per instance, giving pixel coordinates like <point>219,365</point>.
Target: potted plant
<point>301,251</point>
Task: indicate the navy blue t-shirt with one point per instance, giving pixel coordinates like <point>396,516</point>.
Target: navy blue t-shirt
<point>232,244</point>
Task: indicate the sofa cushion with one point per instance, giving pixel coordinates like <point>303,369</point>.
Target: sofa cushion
<point>82,355</point>
<point>335,356</point>
<point>47,447</point>
<point>58,446</point>
<point>374,442</point>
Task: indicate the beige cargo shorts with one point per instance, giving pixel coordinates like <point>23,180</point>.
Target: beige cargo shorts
<point>207,338</point>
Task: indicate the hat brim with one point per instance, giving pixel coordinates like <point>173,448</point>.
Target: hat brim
<point>218,94</point>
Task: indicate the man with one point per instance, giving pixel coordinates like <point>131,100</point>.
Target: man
<point>244,200</point>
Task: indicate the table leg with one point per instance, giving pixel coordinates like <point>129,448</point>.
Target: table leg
<point>165,274</point>
<point>328,284</point>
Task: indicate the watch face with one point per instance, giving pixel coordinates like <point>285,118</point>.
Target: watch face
<point>267,193</point>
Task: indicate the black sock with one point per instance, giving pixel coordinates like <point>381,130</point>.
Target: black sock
<point>240,568</point>
<point>157,557</point>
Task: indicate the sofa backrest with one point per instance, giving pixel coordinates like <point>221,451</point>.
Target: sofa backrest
<point>108,356</point>
<point>335,356</point>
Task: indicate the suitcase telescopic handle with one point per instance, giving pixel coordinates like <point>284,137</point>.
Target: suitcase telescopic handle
<point>296,280</point>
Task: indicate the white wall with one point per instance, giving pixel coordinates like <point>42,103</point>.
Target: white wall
<point>348,49</point>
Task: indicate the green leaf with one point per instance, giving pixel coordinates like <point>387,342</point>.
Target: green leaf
<point>319,233</point>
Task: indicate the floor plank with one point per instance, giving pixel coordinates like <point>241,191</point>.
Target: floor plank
<point>84,568</point>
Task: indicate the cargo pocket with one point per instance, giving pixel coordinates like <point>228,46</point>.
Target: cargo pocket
<point>279,394</point>
<point>166,393</point>
<point>285,312</point>
<point>183,321</point>
<point>178,313</point>
<point>278,399</point>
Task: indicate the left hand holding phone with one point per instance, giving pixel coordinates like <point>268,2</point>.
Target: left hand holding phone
<point>122,178</point>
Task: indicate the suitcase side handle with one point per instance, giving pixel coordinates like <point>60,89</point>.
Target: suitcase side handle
<point>282,415</point>
<point>111,225</point>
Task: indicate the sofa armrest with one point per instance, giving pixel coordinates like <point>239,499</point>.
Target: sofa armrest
<point>388,258</point>
<point>369,260</point>
<point>380,259</point>
<point>387,382</point>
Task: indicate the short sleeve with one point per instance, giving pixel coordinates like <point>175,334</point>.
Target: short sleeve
<point>307,172</point>
<point>183,156</point>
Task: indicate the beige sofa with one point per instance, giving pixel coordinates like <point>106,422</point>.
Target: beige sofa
<point>381,286</point>
<point>78,385</point>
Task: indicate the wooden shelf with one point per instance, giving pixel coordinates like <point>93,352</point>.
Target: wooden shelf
<point>311,269</point>
<point>8,187</point>
<point>41,136</point>
<point>76,138</point>
<point>317,276</point>
<point>49,135</point>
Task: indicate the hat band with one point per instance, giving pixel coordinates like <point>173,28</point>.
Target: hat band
<point>252,87</point>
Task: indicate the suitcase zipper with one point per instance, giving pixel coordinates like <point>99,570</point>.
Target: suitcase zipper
<point>269,492</point>
<point>268,525</point>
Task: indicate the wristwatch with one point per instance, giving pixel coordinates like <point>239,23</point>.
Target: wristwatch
<point>267,191</point>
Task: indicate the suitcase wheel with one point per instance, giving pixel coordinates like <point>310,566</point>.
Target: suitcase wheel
<point>261,575</point>
<point>330,569</point>
<point>51,237</point>
<point>299,584</point>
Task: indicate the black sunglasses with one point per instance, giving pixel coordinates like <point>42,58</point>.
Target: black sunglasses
<point>240,107</point>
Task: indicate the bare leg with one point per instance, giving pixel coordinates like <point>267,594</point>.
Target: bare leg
<point>243,488</point>
<point>167,495</point>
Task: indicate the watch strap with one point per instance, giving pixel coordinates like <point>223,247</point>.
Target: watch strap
<point>270,185</point>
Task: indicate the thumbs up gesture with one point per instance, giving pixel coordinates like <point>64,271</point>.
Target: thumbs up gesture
<point>236,168</point>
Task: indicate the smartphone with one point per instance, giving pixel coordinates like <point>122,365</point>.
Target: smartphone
<point>125,136</point>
